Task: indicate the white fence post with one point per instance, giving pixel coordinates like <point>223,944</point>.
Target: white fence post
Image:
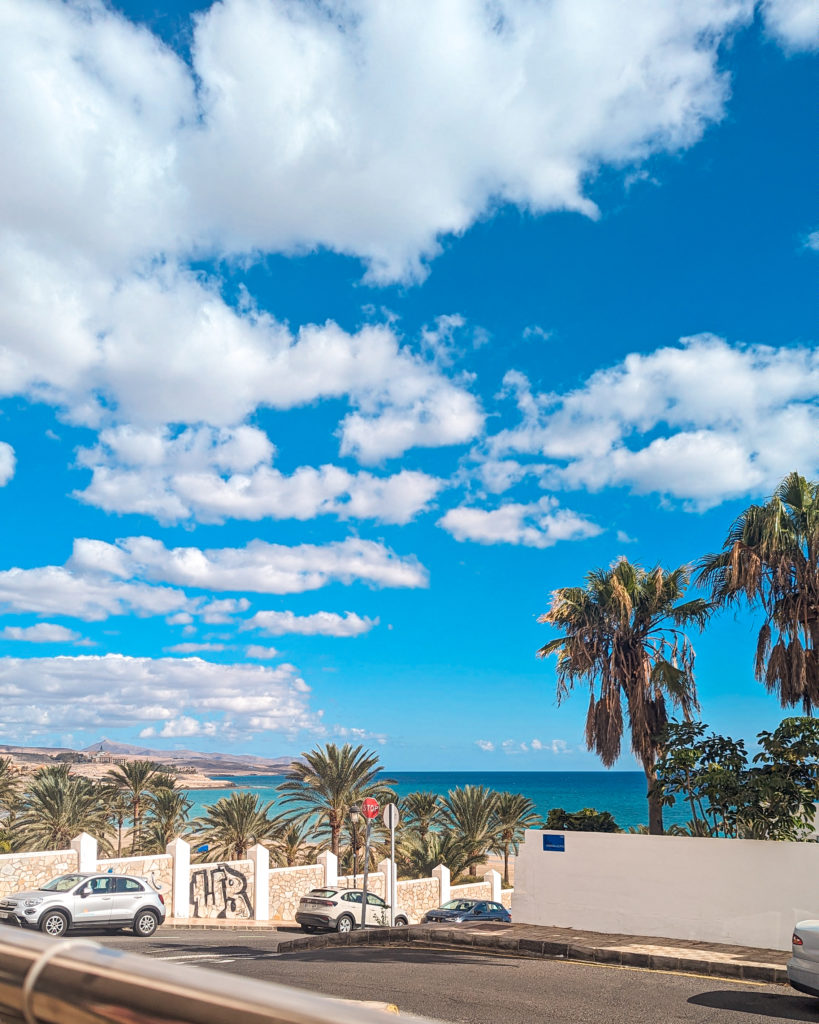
<point>260,857</point>
<point>329,862</point>
<point>86,849</point>
<point>494,879</point>
<point>180,851</point>
<point>386,866</point>
<point>443,876</point>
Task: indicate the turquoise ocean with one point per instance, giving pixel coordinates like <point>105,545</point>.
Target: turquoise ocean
<point>621,793</point>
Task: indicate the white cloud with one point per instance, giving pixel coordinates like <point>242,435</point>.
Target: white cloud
<point>259,567</point>
<point>222,611</point>
<point>7,463</point>
<point>358,735</point>
<point>539,524</point>
<point>512,747</point>
<point>180,727</point>
<point>194,648</point>
<point>44,633</point>
<point>214,474</point>
<point>624,538</point>
<point>261,653</point>
<point>486,745</point>
<point>317,624</point>
<point>114,691</point>
<point>794,23</point>
<point>812,241</point>
<point>732,420</point>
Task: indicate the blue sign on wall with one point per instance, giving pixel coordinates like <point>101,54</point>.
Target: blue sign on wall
<point>554,844</point>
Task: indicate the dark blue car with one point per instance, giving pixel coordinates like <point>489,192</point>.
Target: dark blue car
<point>462,911</point>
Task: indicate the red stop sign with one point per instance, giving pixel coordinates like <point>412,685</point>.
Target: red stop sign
<point>369,807</point>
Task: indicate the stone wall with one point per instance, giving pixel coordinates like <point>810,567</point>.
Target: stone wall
<point>506,898</point>
<point>471,891</point>
<point>417,896</point>
<point>376,882</point>
<point>222,889</point>
<point>21,871</point>
<point>158,869</point>
<point>288,885</point>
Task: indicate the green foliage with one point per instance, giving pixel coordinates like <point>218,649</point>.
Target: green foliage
<point>769,796</point>
<point>56,807</point>
<point>420,811</point>
<point>585,820</point>
<point>166,818</point>
<point>136,780</point>
<point>469,814</point>
<point>622,636</point>
<point>513,814</point>
<point>232,825</point>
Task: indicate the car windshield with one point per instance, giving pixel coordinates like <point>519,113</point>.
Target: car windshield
<point>62,884</point>
<point>459,905</point>
<point>324,894</point>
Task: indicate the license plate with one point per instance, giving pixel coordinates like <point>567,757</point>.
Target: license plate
<point>5,915</point>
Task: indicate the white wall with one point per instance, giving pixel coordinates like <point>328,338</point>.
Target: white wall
<point>738,891</point>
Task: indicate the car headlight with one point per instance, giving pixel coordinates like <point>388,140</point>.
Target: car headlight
<point>34,901</point>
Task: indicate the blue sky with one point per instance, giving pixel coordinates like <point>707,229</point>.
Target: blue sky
<point>333,339</point>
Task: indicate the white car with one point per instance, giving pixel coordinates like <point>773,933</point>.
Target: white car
<point>340,910</point>
<point>803,967</point>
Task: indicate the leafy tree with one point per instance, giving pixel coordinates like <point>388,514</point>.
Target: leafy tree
<point>329,781</point>
<point>57,806</point>
<point>622,635</point>
<point>417,855</point>
<point>232,825</point>
<point>514,813</point>
<point>770,796</point>
<point>137,780</point>
<point>9,785</point>
<point>118,807</point>
<point>586,820</point>
<point>469,813</point>
<point>166,817</point>
<point>293,844</point>
<point>770,561</point>
<point>421,812</point>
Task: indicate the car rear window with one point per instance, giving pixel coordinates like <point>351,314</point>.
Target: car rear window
<point>322,894</point>
<point>128,885</point>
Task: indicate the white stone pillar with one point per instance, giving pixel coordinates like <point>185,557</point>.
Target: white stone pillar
<point>443,876</point>
<point>494,879</point>
<point>329,862</point>
<point>386,866</point>
<point>260,856</point>
<point>86,849</point>
<point>180,851</point>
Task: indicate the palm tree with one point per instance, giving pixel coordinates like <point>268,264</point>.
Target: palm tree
<point>421,812</point>
<point>118,807</point>
<point>8,783</point>
<point>622,633</point>
<point>293,844</point>
<point>770,560</point>
<point>329,781</point>
<point>469,812</point>
<point>137,780</point>
<point>514,813</point>
<point>166,817</point>
<point>232,825</point>
<point>57,806</point>
<point>417,855</point>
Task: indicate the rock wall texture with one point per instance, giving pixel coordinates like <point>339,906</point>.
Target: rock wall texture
<point>288,885</point>
<point>417,896</point>
<point>506,898</point>
<point>21,871</point>
<point>158,869</point>
<point>222,889</point>
<point>472,891</point>
<point>376,882</point>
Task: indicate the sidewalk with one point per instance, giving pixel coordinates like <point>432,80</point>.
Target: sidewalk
<point>766,965</point>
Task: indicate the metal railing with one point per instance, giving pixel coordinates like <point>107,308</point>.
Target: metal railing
<point>77,981</point>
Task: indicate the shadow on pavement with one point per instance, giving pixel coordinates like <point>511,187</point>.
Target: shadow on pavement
<point>764,1004</point>
<point>402,954</point>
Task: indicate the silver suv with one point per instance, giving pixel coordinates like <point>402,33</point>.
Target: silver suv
<point>87,900</point>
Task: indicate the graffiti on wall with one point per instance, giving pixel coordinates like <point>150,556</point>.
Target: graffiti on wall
<point>218,890</point>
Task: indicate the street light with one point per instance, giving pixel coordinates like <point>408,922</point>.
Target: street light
<point>355,817</point>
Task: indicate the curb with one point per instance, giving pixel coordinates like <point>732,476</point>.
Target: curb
<point>476,942</point>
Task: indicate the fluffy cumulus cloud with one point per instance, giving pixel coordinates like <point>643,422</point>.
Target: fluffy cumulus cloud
<point>259,567</point>
<point>539,524</point>
<point>7,463</point>
<point>317,624</point>
<point>211,474</point>
<point>44,633</point>
<point>386,129</point>
<point>703,421</point>
<point>161,695</point>
<point>794,23</point>
<point>487,746</point>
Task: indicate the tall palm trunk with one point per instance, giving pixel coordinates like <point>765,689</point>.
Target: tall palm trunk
<point>655,803</point>
<point>505,865</point>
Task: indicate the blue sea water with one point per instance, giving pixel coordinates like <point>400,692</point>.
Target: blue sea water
<point>621,793</point>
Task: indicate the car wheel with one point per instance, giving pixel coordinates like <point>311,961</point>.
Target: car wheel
<point>145,924</point>
<point>344,924</point>
<point>401,922</point>
<point>54,922</point>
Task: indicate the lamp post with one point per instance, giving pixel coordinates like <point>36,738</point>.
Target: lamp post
<point>355,817</point>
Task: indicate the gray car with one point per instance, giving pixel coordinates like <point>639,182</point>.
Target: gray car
<point>467,911</point>
<point>87,900</point>
<point>803,967</point>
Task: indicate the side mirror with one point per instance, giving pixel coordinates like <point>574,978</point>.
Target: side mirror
<point>477,910</point>
<point>85,891</point>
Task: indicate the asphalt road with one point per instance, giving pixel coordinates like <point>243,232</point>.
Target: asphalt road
<point>483,989</point>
